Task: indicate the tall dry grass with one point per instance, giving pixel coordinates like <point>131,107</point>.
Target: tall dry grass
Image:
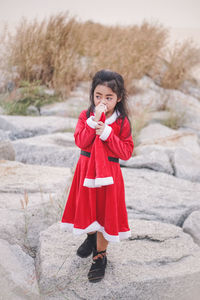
<point>47,51</point>
<point>130,50</point>
<point>60,51</point>
<point>176,64</point>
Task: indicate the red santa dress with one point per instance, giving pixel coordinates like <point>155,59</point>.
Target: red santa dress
<point>91,205</point>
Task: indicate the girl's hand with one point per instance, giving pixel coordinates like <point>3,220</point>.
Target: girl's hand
<point>98,111</point>
<point>100,128</point>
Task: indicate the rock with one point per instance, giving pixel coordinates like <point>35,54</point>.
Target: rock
<point>192,126</point>
<point>32,198</point>
<point>1,110</point>
<point>4,135</point>
<point>12,226</point>
<point>150,96</point>
<point>187,87</point>
<point>192,226</point>
<point>157,134</point>
<point>147,149</point>
<point>18,276</point>
<point>32,110</point>
<point>72,107</point>
<point>186,166</point>
<point>56,149</point>
<point>156,98</point>
<point>159,116</point>
<point>181,103</point>
<point>153,98</point>
<point>18,177</point>
<point>28,126</point>
<point>6,150</point>
<point>159,196</point>
<point>156,160</point>
<point>159,261</point>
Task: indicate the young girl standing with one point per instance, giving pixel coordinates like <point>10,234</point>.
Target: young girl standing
<point>96,205</point>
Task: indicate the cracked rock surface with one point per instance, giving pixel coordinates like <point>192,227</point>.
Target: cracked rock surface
<point>159,261</point>
<point>158,196</point>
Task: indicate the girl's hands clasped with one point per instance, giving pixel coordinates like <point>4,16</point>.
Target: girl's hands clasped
<point>99,109</point>
<point>100,128</point>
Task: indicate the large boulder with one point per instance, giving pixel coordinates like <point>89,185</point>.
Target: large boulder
<point>27,126</point>
<point>72,107</point>
<point>155,160</point>
<point>149,95</point>
<point>183,103</point>
<point>153,97</point>
<point>157,134</point>
<point>159,196</point>
<point>6,150</point>
<point>175,160</point>
<point>192,226</point>
<point>159,261</point>
<point>4,135</point>
<point>186,166</point>
<point>32,197</point>
<point>56,149</point>
<point>17,272</point>
<point>12,226</point>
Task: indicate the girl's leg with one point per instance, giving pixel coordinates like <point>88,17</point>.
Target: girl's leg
<point>102,243</point>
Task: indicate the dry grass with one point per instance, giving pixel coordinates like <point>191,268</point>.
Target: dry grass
<point>60,51</point>
<point>47,51</point>
<point>131,50</point>
<point>176,64</point>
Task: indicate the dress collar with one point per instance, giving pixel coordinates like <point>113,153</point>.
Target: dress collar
<point>112,118</point>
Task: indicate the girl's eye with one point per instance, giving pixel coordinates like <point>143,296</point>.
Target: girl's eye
<point>109,98</point>
<point>98,97</point>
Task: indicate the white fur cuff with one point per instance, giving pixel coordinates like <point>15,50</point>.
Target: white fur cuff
<point>90,121</point>
<point>105,134</point>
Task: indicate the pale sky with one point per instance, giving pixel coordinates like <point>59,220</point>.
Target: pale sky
<point>170,13</point>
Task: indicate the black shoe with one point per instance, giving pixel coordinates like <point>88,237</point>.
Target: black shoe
<point>97,269</point>
<point>87,246</point>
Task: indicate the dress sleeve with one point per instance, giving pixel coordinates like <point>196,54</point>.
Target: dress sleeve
<point>121,146</point>
<point>85,132</point>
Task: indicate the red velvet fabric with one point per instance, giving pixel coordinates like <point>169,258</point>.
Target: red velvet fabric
<point>98,172</point>
<point>102,208</point>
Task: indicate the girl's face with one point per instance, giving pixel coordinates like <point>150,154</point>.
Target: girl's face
<point>105,95</point>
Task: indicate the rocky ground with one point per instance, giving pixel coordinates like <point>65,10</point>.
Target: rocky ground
<point>161,260</point>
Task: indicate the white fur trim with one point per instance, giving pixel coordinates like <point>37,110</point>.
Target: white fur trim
<point>113,117</point>
<point>98,182</point>
<point>90,121</point>
<point>95,226</point>
<point>106,132</point>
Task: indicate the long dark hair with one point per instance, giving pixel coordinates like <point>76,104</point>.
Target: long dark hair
<point>115,82</point>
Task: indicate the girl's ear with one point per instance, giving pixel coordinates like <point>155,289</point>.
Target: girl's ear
<point>118,100</point>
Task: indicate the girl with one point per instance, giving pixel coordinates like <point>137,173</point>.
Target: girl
<point>97,206</point>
